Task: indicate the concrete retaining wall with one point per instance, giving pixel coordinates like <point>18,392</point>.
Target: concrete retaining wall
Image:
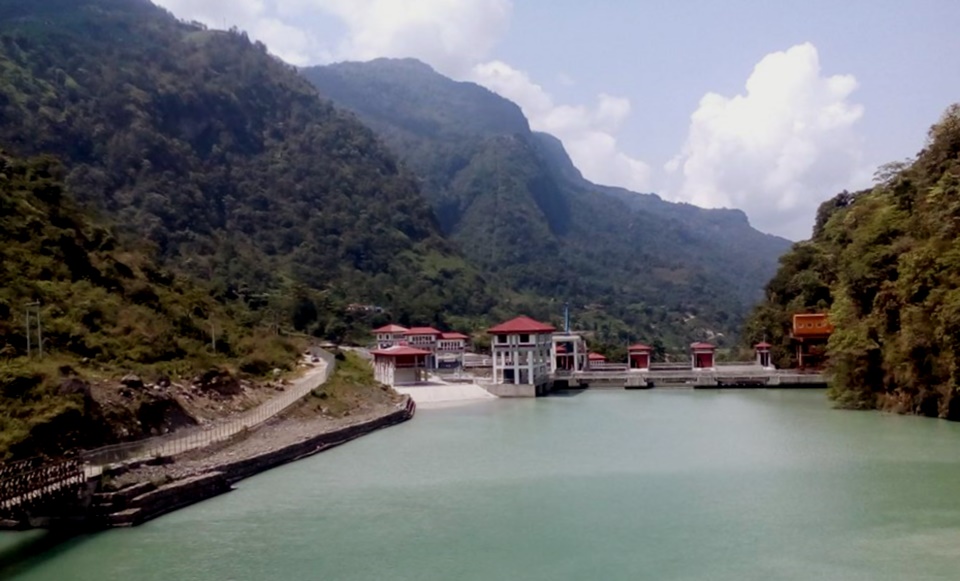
<point>241,469</point>
<point>122,508</point>
<point>510,390</point>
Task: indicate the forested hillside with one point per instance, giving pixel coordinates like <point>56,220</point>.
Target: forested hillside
<point>224,158</point>
<point>632,266</point>
<point>102,308</point>
<point>886,264</point>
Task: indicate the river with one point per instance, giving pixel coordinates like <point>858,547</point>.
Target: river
<point>673,485</point>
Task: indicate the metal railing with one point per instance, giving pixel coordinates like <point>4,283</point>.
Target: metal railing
<point>202,436</point>
<point>608,366</point>
<point>34,483</point>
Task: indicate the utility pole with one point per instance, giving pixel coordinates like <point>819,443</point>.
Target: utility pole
<point>213,335</point>
<point>28,308</point>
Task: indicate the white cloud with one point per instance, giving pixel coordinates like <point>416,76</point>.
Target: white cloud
<point>262,19</point>
<point>451,35</point>
<point>589,133</point>
<point>454,36</point>
<point>779,149</point>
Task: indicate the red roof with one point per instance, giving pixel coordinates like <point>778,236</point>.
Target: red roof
<point>763,345</point>
<point>596,357</point>
<point>702,346</point>
<point>390,329</point>
<point>640,347</point>
<point>521,324</point>
<point>454,336</point>
<point>399,351</point>
<point>423,331</point>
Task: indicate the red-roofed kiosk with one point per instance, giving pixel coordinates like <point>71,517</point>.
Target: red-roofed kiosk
<point>595,359</point>
<point>400,365</point>
<point>640,356</point>
<point>763,355</point>
<point>702,355</point>
<point>521,357</point>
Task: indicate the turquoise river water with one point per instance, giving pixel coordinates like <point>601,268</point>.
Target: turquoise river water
<point>676,485</point>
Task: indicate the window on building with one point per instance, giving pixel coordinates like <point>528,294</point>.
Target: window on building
<point>524,338</point>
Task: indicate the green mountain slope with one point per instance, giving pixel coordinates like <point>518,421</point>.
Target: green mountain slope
<point>227,160</point>
<point>105,308</point>
<point>886,264</point>
<point>632,265</point>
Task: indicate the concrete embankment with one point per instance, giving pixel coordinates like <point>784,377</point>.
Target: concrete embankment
<point>445,394</point>
<point>137,503</point>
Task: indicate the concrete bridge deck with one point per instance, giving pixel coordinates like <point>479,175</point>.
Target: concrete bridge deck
<point>722,376</point>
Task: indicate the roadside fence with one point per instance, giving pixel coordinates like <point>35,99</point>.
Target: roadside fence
<point>206,435</point>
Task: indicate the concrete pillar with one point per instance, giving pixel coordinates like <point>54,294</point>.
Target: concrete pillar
<point>531,362</point>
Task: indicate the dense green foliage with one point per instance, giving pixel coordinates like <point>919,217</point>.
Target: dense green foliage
<point>886,263</point>
<point>350,388</point>
<point>632,266</point>
<point>224,158</point>
<point>99,300</point>
<point>104,308</point>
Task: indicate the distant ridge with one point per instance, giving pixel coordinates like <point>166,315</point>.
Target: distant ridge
<point>632,264</point>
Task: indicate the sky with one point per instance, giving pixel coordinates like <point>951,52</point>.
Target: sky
<point>769,107</point>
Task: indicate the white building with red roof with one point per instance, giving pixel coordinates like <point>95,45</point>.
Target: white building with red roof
<point>389,336</point>
<point>521,357</point>
<point>442,347</point>
<point>451,348</point>
<point>400,365</point>
<point>424,338</point>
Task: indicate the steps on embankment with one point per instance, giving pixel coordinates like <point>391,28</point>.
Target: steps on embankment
<point>144,501</point>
